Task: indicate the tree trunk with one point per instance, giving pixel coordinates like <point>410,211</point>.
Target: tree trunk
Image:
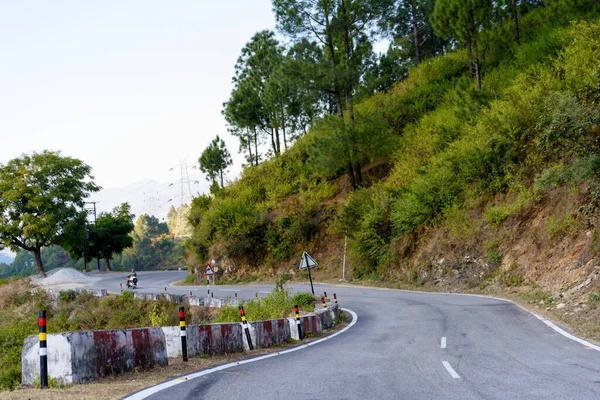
<point>515,17</point>
<point>477,74</point>
<point>221,172</point>
<point>358,174</point>
<point>277,142</point>
<point>273,141</point>
<point>108,267</point>
<point>37,252</point>
<point>356,181</point>
<point>413,10</point>
<point>337,94</point>
<point>283,127</point>
<point>255,147</point>
<point>249,139</point>
<point>350,173</point>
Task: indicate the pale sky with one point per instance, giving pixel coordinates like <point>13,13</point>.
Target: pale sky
<point>131,87</point>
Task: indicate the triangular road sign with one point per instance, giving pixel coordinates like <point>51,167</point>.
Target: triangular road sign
<point>208,271</point>
<point>307,261</point>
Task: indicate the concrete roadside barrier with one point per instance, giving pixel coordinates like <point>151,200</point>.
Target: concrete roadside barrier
<point>80,357</point>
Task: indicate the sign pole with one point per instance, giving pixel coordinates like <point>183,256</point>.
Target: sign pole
<point>309,277</point>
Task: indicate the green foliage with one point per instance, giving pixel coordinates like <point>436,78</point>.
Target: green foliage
<point>511,277</point>
<point>41,195</point>
<point>277,304</point>
<point>496,215</point>
<point>13,331</point>
<point>538,296</point>
<point>304,300</point>
<point>66,296</point>
<point>449,144</point>
<point>214,160</point>
<point>159,316</point>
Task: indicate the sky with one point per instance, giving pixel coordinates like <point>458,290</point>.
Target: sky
<point>132,88</point>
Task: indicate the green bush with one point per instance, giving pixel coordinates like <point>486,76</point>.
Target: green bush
<point>12,336</point>
<point>304,300</point>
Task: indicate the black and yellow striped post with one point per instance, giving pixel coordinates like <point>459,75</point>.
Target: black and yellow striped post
<point>298,325</point>
<point>183,334</point>
<point>120,284</point>
<point>245,324</point>
<point>43,350</point>
<point>334,298</point>
<point>323,301</point>
<point>256,295</point>
<point>326,298</point>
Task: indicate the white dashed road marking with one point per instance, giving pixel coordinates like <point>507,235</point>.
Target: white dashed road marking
<point>443,342</point>
<point>450,370</point>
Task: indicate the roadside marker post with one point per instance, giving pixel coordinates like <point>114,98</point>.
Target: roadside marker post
<point>43,350</point>
<point>212,294</point>
<point>190,294</point>
<point>120,284</point>
<point>323,301</point>
<point>235,295</point>
<point>326,298</point>
<point>256,295</point>
<point>165,289</point>
<point>183,334</point>
<point>245,324</point>
<point>307,261</point>
<point>334,298</point>
<point>298,325</point>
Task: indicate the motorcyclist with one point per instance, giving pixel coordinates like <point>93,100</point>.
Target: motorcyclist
<point>132,279</point>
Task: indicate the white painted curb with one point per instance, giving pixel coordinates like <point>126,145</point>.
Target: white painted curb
<point>165,385</point>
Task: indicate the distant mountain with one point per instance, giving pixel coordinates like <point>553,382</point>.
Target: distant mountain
<point>6,259</point>
<point>148,196</point>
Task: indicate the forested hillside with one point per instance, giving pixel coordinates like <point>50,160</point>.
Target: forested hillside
<point>465,156</point>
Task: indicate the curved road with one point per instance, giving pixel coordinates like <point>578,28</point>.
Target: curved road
<point>405,345</point>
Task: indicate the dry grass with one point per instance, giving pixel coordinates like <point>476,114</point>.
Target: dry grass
<point>116,387</point>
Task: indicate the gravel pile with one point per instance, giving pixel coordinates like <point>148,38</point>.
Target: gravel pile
<point>63,275</point>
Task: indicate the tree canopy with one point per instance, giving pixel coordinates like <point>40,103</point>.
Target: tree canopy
<point>40,195</point>
<point>214,160</point>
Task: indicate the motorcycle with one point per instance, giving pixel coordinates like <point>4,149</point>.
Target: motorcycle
<point>132,282</point>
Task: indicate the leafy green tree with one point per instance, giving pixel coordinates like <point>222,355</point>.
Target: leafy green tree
<point>215,159</point>
<point>407,25</point>
<point>243,115</point>
<point>343,27</point>
<point>172,219</point>
<point>150,226</point>
<point>113,233</point>
<point>40,194</point>
<point>464,20</point>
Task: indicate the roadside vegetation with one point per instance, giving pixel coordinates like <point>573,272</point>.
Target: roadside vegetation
<point>440,150</point>
<point>73,311</point>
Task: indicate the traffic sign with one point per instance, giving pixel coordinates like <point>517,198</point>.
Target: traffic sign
<point>208,271</point>
<point>307,261</point>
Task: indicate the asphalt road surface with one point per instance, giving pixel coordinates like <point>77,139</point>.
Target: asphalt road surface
<point>405,345</point>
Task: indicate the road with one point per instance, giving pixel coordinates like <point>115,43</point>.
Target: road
<point>405,345</point>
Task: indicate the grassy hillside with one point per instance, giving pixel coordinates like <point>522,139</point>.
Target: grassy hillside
<point>472,190</point>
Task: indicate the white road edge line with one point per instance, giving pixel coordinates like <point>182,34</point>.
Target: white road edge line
<point>450,370</point>
<point>165,385</point>
<point>567,334</point>
<point>443,344</point>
